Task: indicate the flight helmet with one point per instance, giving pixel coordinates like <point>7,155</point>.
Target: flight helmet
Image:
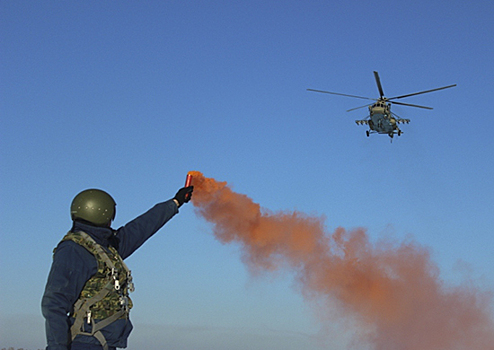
<point>94,206</point>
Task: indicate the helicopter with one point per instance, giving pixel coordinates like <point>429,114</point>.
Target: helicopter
<point>380,119</point>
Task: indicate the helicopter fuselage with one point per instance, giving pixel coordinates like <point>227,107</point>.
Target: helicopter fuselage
<point>381,120</point>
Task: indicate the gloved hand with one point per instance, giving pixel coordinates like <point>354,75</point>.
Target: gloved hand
<point>183,195</point>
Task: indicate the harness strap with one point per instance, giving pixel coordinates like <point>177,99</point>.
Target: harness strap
<point>103,254</point>
<point>81,308</point>
<point>101,339</point>
<point>97,327</point>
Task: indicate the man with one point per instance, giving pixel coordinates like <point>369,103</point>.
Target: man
<point>86,301</point>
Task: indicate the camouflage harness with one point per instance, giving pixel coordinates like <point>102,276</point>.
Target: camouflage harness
<point>105,295</point>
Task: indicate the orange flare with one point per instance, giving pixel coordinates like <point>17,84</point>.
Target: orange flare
<point>392,289</point>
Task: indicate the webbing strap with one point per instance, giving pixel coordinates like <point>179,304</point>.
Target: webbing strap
<point>82,307</point>
<point>103,323</point>
<point>101,339</point>
<point>101,253</point>
<point>97,327</point>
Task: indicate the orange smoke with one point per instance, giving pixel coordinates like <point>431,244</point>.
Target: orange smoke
<point>392,289</point>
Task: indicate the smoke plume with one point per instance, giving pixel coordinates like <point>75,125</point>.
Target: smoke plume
<point>393,290</point>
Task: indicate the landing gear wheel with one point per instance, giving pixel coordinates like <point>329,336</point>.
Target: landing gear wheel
<point>367,132</point>
<point>399,132</point>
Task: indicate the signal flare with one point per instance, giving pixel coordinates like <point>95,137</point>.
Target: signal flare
<point>393,290</point>
<point>188,180</point>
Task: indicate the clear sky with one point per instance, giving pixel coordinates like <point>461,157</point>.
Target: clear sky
<point>129,96</point>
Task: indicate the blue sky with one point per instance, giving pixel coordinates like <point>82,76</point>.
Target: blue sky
<point>129,96</point>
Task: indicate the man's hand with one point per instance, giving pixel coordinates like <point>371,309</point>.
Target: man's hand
<point>183,195</point>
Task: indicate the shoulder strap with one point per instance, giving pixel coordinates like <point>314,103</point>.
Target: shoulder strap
<point>86,241</point>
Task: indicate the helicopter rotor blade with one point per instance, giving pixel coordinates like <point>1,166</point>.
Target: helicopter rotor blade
<point>409,105</point>
<point>349,110</point>
<point>337,93</point>
<point>378,81</point>
<point>422,92</point>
